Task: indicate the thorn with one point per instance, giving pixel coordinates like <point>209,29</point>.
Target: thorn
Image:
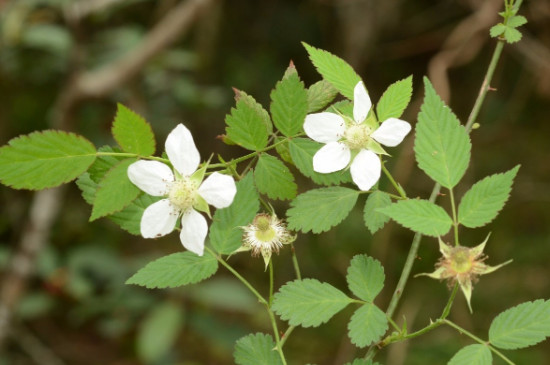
<point>237,93</point>
<point>291,64</point>
<point>491,88</point>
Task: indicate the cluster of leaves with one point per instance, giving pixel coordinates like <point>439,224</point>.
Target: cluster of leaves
<point>507,29</point>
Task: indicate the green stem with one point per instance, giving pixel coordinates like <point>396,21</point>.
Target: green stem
<point>392,180</point>
<point>249,156</point>
<point>295,262</point>
<point>287,333</point>
<point>135,155</point>
<point>478,340</point>
<point>270,282</point>
<point>455,221</point>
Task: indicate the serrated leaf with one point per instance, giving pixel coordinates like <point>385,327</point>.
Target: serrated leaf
<point>246,125</point>
<point>334,69</point>
<point>115,191</point>
<point>103,164</point>
<point>482,203</point>
<point>132,133</point>
<point>516,21</point>
<point>442,145</point>
<point>319,95</point>
<point>374,220</point>
<point>45,159</point>
<point>420,216</point>
<point>129,218</point>
<point>87,187</point>
<point>289,105</point>
<point>302,151</point>
<point>367,325</point>
<point>159,331</point>
<point>521,326</point>
<point>319,210</point>
<point>395,99</point>
<point>273,178</point>
<point>365,277</point>
<point>512,35</point>
<point>308,302</point>
<point>225,232</point>
<point>497,30</point>
<point>472,355</point>
<point>175,270</point>
<point>256,349</point>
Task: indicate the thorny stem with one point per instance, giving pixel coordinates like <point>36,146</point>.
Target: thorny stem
<point>437,187</point>
<point>261,299</point>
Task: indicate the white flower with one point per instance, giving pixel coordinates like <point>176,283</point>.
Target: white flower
<point>354,139</point>
<point>183,189</point>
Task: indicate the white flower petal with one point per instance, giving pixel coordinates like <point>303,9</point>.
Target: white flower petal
<point>333,156</point>
<point>218,190</point>
<point>391,132</point>
<point>152,177</point>
<point>193,231</point>
<point>181,150</point>
<point>365,169</point>
<point>361,102</point>
<point>324,127</point>
<point>159,219</point>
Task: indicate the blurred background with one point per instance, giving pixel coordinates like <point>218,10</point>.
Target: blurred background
<point>65,64</point>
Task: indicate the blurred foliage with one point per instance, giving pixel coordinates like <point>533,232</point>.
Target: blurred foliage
<point>76,305</point>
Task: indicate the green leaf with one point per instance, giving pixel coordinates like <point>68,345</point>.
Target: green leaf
<point>103,164</point>
<point>273,178</point>
<point>45,159</point>
<point>512,35</point>
<point>319,95</point>
<point>334,69</point>
<point>319,210</point>
<point>365,277</point>
<point>159,331</point>
<point>497,30</point>
<point>362,362</point>
<point>420,216</point>
<point>175,270</point>
<point>516,21</point>
<point>308,302</point>
<point>132,133</point>
<point>256,349</point>
<point>302,151</point>
<point>472,355</point>
<point>521,326</point>
<point>115,191</point>
<point>247,125</point>
<point>395,99</point>
<point>482,203</point>
<point>374,220</point>
<point>442,145</point>
<point>87,186</point>
<point>129,218</point>
<point>289,105</point>
<point>225,234</point>
<point>367,325</point>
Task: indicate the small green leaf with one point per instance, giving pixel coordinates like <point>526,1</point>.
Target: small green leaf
<point>115,191</point>
<point>367,325</point>
<point>521,326</point>
<point>129,218</point>
<point>159,331</point>
<point>289,105</point>
<point>302,151</point>
<point>247,125</point>
<point>472,355</point>
<point>103,164</point>
<point>334,69</point>
<point>87,186</point>
<point>45,159</point>
<point>365,277</point>
<point>273,178</point>
<point>512,35</point>
<point>374,220</point>
<point>516,21</point>
<point>308,302</point>
<point>319,210</point>
<point>497,30</point>
<point>132,133</point>
<point>395,99</point>
<point>319,95</point>
<point>442,145</point>
<point>256,349</point>
<point>420,216</point>
<point>225,234</point>
<point>481,204</point>
<point>175,270</point>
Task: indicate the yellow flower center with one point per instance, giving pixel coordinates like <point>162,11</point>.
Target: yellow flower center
<point>264,230</point>
<point>183,193</point>
<point>461,260</point>
<point>357,136</point>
